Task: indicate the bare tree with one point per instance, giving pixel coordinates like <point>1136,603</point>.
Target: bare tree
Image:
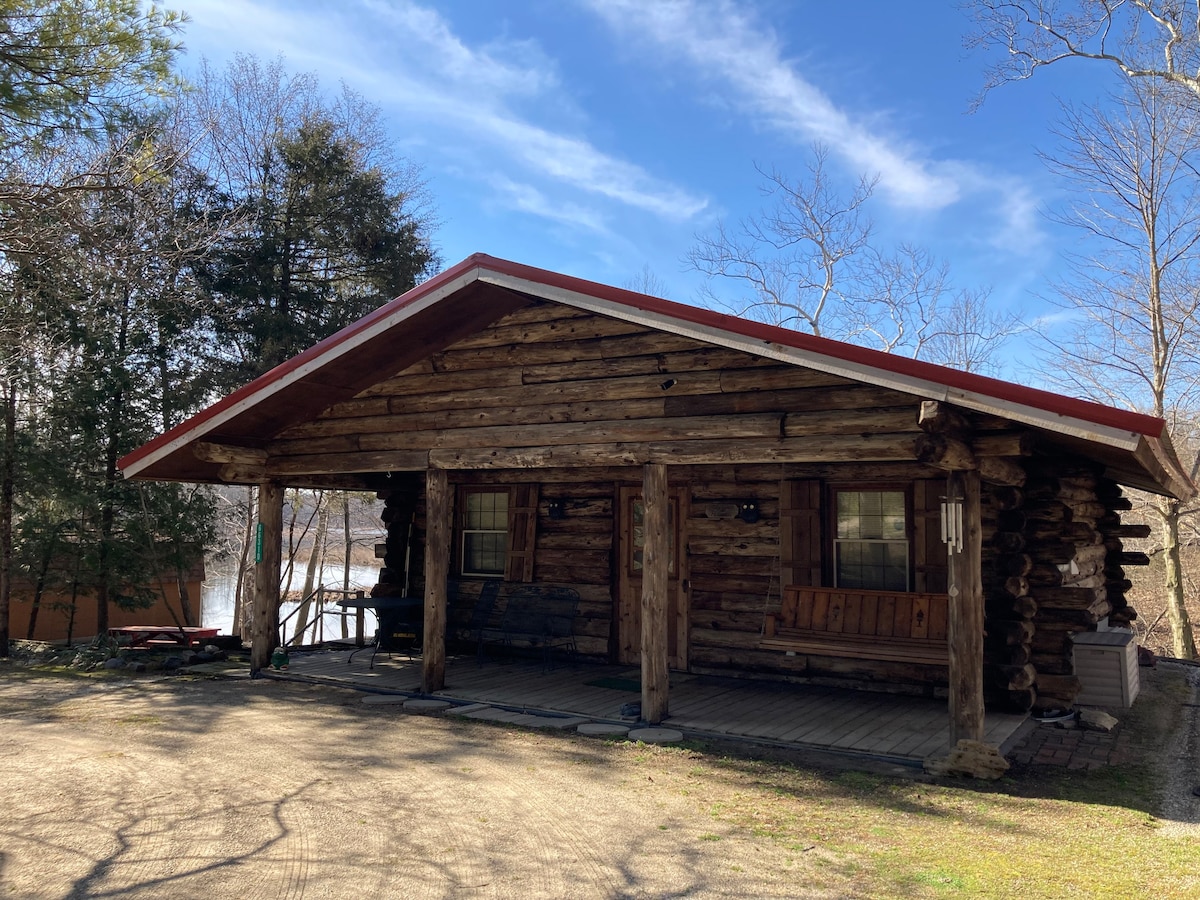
<point>808,262</point>
<point>1136,298</point>
<point>647,282</point>
<point>794,257</point>
<point>1154,40</point>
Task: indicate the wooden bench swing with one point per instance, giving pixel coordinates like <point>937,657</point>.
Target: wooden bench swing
<point>891,626</point>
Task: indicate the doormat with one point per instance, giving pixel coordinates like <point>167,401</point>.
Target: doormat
<point>617,684</point>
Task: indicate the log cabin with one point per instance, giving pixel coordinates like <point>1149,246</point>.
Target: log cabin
<point>723,495</point>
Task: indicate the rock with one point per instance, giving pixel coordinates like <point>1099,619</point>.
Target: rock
<point>205,657</point>
<point>1096,720</point>
<point>631,710</point>
<point>115,663</point>
<point>138,667</point>
<point>655,735</point>
<point>973,759</point>
<point>425,707</point>
<point>171,663</point>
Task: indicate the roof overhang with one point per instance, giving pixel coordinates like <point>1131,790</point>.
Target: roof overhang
<point>479,290</point>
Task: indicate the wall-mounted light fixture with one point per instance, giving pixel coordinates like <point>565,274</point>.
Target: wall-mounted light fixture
<point>748,511</point>
<point>557,509</point>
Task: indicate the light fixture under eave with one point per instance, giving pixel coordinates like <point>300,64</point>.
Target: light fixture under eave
<point>557,509</point>
<point>748,511</point>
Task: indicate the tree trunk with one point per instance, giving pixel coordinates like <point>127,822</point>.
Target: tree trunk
<point>346,562</point>
<point>966,616</point>
<point>656,561</point>
<point>439,516</point>
<point>266,577</point>
<point>40,585</point>
<point>316,559</point>
<point>7,487</point>
<point>1182,642</point>
<point>239,586</point>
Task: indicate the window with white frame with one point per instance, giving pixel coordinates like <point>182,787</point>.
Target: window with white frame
<point>871,540</point>
<point>484,531</point>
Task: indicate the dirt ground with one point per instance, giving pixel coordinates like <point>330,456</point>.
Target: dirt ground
<point>175,787</point>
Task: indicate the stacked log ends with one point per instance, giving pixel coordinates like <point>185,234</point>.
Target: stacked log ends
<point>1073,538</point>
<point>399,507</point>
<point>1009,675</point>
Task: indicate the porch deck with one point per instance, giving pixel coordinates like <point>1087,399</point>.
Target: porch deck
<point>890,726</point>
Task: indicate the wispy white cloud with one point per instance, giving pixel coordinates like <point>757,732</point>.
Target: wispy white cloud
<point>415,64</point>
<point>725,42</point>
<point>528,199</point>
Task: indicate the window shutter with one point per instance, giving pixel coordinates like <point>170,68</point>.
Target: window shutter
<point>929,553</point>
<point>522,532</point>
<point>800,533</point>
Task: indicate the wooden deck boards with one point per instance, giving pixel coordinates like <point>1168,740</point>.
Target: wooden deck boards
<point>888,725</point>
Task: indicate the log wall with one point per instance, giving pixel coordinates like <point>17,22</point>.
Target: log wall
<point>577,404</point>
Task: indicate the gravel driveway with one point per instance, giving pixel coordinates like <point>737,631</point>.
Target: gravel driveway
<point>177,788</point>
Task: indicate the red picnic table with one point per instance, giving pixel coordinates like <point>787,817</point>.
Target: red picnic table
<point>182,635</point>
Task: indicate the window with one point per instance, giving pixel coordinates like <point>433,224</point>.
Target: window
<point>484,532</point>
<point>871,540</point>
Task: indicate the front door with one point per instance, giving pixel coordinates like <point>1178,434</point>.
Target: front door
<point>629,582</point>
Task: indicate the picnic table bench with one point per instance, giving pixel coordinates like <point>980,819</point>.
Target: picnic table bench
<point>177,635</point>
<point>891,626</point>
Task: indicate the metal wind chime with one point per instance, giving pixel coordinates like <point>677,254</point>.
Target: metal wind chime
<point>952,523</point>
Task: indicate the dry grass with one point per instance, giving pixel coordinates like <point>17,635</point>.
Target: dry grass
<point>1039,832</point>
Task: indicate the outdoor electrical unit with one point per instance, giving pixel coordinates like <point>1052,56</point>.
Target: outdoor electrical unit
<point>1106,663</point>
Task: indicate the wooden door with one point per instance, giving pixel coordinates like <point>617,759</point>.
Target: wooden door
<point>629,581</point>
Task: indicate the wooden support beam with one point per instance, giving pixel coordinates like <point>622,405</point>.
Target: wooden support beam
<point>264,630</point>
<point>1001,471</point>
<point>227,453</point>
<point>242,473</point>
<point>941,418</point>
<point>945,452</point>
<point>342,463</point>
<point>831,449</point>
<point>656,561</point>
<point>966,617</point>
<point>439,513</point>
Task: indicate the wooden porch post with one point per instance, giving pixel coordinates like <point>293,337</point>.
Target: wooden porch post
<point>264,633</point>
<point>439,512</point>
<point>965,625</point>
<point>656,560</point>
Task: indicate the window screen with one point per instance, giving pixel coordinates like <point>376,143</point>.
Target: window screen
<point>485,532</point>
<point>871,540</point>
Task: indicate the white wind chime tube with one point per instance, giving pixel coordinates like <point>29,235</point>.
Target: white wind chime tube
<point>952,523</point>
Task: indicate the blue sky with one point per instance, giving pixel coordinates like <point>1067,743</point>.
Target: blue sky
<point>600,137</point>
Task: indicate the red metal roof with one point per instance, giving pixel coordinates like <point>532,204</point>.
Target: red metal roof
<point>480,267</point>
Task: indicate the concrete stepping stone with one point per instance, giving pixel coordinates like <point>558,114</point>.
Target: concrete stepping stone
<point>426,706</point>
<point>384,699</point>
<point>603,729</point>
<point>559,723</point>
<point>656,735</point>
<point>467,709</point>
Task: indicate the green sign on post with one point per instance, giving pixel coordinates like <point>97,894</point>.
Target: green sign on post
<point>258,543</point>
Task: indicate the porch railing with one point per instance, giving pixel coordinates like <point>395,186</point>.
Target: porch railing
<point>321,605</point>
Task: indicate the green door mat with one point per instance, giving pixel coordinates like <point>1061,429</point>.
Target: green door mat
<point>617,684</point>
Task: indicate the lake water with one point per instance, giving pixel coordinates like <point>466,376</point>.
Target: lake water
<point>216,598</point>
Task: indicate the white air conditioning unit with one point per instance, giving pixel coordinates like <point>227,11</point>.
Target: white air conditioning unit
<point>1106,664</point>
